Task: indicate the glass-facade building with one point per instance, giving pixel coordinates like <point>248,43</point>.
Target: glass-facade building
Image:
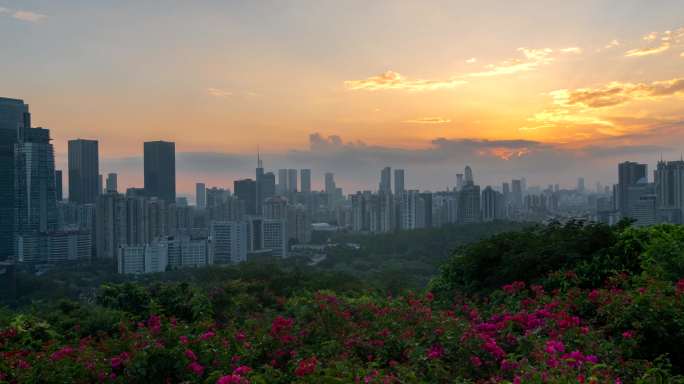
<point>14,119</point>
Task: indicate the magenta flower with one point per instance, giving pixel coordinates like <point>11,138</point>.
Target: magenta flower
<point>231,379</point>
<point>196,368</point>
<point>306,366</point>
<point>475,361</point>
<point>242,370</point>
<point>190,354</point>
<point>435,352</point>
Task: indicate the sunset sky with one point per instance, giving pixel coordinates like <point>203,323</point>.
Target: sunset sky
<point>551,90</point>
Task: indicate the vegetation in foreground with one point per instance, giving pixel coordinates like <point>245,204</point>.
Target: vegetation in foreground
<point>558,304</point>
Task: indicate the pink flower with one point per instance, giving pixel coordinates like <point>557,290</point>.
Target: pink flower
<point>240,336</point>
<point>21,364</point>
<point>154,324</point>
<point>242,370</point>
<point>184,340</point>
<point>475,361</point>
<point>62,353</point>
<point>196,368</point>
<point>554,346</point>
<point>190,355</point>
<point>628,334</point>
<point>116,362</point>
<point>207,335</point>
<point>306,366</point>
<point>435,352</point>
<point>231,379</point>
<point>679,286</point>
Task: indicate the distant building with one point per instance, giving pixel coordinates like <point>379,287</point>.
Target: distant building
<point>274,236</point>
<point>305,179</point>
<point>385,180</point>
<point>492,204</point>
<point>399,185</point>
<point>291,180</point>
<point>139,259</point>
<point>160,170</point>
<point>84,171</point>
<point>228,242</point>
<point>669,185</point>
<point>59,186</point>
<point>469,204</point>
<point>283,181</point>
<point>112,183</point>
<point>629,174</point>
<point>201,195</point>
<point>245,190</point>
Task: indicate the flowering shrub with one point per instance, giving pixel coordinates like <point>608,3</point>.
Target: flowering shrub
<point>628,329</point>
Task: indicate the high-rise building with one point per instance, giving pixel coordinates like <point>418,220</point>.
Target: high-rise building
<point>629,174</point>
<point>469,203</point>
<point>459,181</point>
<point>35,200</point>
<point>669,184</point>
<point>228,242</point>
<point>111,225</point>
<point>59,186</point>
<point>14,117</point>
<point>201,195</point>
<point>516,194</point>
<point>291,180</point>
<point>305,180</point>
<point>160,170</point>
<point>330,189</point>
<point>492,204</point>
<point>112,183</point>
<point>399,186</point>
<point>274,236</point>
<point>275,208</point>
<point>283,181</point>
<point>580,184</point>
<point>469,176</point>
<point>84,171</point>
<point>385,180</point>
<point>245,190</point>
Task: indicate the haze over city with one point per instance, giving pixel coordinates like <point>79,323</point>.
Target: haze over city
<point>547,90</point>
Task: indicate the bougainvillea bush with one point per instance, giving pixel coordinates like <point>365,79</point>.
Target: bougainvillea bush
<point>628,330</point>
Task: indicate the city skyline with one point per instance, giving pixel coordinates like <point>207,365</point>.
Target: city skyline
<point>428,89</point>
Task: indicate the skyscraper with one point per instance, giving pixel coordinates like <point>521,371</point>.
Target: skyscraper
<point>459,181</point>
<point>492,204</point>
<point>35,203</point>
<point>112,183</point>
<point>160,170</point>
<point>669,188</point>
<point>283,181</point>
<point>292,180</point>
<point>84,171</point>
<point>516,193</point>
<point>580,185</point>
<point>399,186</point>
<point>629,174</point>
<point>201,195</point>
<point>14,117</point>
<point>386,180</point>
<point>468,176</point>
<point>305,176</point>
<point>59,186</point>
<point>330,189</point>
<point>469,203</point>
<point>245,190</point>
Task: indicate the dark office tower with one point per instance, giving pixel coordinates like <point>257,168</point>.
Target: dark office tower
<point>305,176</point>
<point>84,171</point>
<point>468,209</point>
<point>112,183</point>
<point>427,200</point>
<point>386,180</point>
<point>506,190</point>
<point>201,195</point>
<point>59,189</point>
<point>245,190</point>
<point>399,186</point>
<point>259,185</point>
<point>268,185</point>
<point>14,118</point>
<point>516,193</point>
<point>292,180</point>
<point>160,170</point>
<point>459,181</point>
<point>629,173</point>
<point>100,184</point>
<point>492,204</point>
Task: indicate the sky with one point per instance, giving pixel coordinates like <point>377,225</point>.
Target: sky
<point>548,90</point>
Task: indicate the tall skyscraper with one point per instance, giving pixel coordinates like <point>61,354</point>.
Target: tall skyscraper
<point>283,181</point>
<point>160,170</point>
<point>629,174</point>
<point>292,180</point>
<point>228,242</point>
<point>469,203</point>
<point>84,171</point>
<point>259,185</point>
<point>330,189</point>
<point>112,183</point>
<point>459,181</point>
<point>399,186</point>
<point>669,188</point>
<point>35,202</point>
<point>59,186</point>
<point>201,195</point>
<point>469,176</point>
<point>386,180</point>
<point>516,193</point>
<point>245,190</point>
<point>305,179</point>
<point>492,204</point>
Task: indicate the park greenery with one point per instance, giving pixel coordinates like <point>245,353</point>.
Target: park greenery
<point>558,303</point>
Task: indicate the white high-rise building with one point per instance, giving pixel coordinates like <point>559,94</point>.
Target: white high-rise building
<point>274,236</point>
<point>228,242</point>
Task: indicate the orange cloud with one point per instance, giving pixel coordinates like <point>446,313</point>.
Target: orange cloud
<point>616,93</point>
<point>217,92</point>
<point>534,58</point>
<point>393,80</point>
<point>429,120</point>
